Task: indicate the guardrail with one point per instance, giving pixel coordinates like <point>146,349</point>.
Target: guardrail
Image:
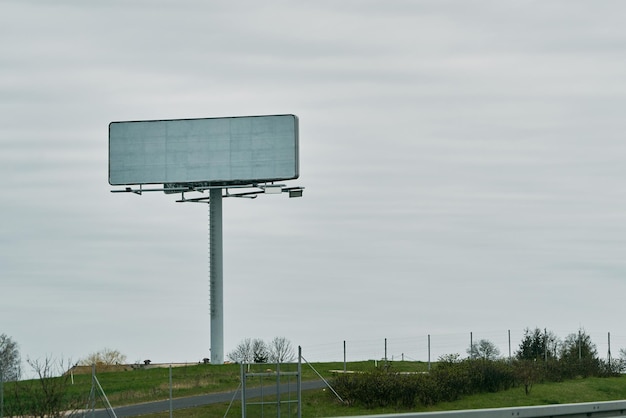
<point>607,409</point>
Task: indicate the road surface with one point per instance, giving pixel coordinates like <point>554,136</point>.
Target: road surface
<point>194,401</point>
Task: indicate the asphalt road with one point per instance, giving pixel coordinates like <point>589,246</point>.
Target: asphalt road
<point>194,401</point>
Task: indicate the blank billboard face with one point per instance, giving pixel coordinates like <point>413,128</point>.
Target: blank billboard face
<point>234,150</point>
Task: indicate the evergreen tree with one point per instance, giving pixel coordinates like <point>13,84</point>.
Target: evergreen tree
<point>537,345</point>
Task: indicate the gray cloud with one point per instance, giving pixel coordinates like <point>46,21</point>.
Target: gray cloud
<point>463,163</point>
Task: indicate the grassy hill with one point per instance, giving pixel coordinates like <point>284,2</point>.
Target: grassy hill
<point>142,384</point>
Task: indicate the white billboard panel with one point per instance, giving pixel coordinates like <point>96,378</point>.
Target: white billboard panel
<point>232,150</point>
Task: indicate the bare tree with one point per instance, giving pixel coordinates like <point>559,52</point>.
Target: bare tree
<point>281,350</point>
<point>243,353</point>
<point>106,357</point>
<point>9,359</point>
<point>47,396</point>
<point>260,352</point>
<point>484,349</point>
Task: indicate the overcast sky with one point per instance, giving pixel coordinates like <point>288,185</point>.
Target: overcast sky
<point>463,164</point>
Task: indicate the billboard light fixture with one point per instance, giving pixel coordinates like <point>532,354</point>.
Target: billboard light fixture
<point>273,189</point>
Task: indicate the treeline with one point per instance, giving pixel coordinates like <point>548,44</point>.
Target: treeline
<point>541,358</point>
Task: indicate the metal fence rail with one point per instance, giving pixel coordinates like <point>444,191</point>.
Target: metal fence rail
<point>607,409</point>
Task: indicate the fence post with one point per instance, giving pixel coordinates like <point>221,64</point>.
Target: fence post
<point>278,388</point>
<point>1,391</point>
<point>171,406</point>
<point>93,389</point>
<point>299,384</point>
<point>545,349</point>
<point>428,352</point>
<point>509,346</point>
<point>609,354</point>
<point>580,348</point>
<point>243,390</point>
<point>385,351</point>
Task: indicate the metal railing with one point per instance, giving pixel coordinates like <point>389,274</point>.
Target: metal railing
<point>607,409</point>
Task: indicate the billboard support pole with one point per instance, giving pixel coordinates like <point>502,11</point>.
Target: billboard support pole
<point>216,276</point>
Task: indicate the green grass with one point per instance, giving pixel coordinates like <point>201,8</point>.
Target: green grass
<point>321,403</point>
<point>142,385</point>
<point>572,391</point>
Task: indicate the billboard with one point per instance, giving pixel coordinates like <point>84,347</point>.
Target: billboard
<point>227,151</point>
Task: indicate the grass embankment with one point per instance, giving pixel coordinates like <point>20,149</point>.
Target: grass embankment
<point>150,384</point>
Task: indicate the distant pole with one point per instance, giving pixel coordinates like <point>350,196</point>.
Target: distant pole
<point>471,346</point>
<point>428,352</point>
<point>277,390</point>
<point>93,390</point>
<point>609,353</point>
<point>299,382</point>
<point>344,356</point>
<point>1,392</point>
<point>545,345</point>
<point>242,379</point>
<point>216,276</point>
<point>385,351</point>
<point>509,345</point>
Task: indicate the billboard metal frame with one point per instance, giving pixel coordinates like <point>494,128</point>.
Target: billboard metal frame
<point>226,151</point>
